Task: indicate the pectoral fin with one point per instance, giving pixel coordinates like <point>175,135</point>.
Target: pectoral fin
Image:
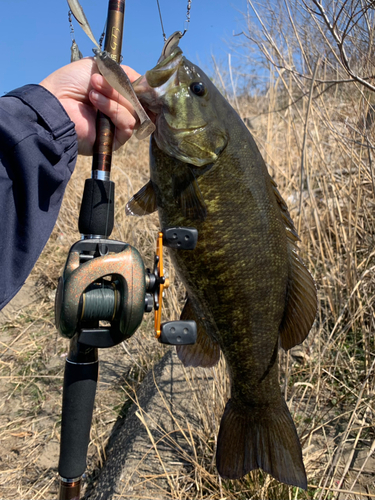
<point>143,202</point>
<point>301,305</point>
<point>206,351</point>
<point>188,195</point>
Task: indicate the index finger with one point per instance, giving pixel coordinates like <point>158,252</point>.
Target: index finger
<point>132,74</point>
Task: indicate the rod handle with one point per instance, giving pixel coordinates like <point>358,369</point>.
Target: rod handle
<point>80,380</point>
<point>105,129</point>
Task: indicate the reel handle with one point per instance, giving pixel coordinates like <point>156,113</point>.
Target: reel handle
<point>172,332</point>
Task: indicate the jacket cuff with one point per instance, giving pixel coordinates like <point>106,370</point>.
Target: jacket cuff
<point>47,106</point>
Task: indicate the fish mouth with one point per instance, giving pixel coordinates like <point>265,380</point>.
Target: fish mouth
<point>187,130</point>
<point>155,82</point>
<point>163,71</point>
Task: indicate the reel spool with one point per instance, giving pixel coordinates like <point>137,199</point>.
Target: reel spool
<point>105,280</point>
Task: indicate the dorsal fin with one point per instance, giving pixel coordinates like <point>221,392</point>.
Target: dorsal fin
<point>301,305</point>
<point>289,225</point>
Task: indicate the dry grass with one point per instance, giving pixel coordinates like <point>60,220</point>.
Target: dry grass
<point>331,392</point>
<point>328,381</point>
<point>32,354</point>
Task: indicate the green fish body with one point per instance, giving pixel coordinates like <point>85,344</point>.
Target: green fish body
<point>247,289</point>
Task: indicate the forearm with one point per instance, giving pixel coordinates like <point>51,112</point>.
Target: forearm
<point>38,151</point>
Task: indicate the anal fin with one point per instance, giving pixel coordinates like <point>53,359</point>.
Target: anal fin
<point>206,351</point>
<point>143,202</point>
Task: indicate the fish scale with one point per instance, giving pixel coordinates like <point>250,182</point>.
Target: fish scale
<point>246,285</point>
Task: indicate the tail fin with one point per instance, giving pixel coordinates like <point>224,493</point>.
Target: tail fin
<point>145,129</point>
<point>255,440</point>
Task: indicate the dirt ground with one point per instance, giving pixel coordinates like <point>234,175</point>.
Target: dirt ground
<point>331,402</point>
<point>32,359</point>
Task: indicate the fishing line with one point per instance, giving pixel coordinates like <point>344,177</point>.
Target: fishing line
<point>111,196</point>
<point>187,21</point>
<point>161,22</point>
<point>100,300</point>
<point>111,189</point>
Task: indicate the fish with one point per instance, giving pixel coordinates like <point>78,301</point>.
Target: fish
<point>247,288</point>
<point>81,18</point>
<point>113,72</point>
<point>119,80</point>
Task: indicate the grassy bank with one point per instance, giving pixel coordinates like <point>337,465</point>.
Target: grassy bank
<point>319,148</point>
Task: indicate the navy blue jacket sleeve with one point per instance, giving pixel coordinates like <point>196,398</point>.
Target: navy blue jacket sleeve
<point>38,152</point>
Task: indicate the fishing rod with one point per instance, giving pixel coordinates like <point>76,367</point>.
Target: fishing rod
<point>105,281</point>
<point>96,221</point>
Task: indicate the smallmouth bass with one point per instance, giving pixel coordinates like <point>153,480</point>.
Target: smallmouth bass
<point>248,290</point>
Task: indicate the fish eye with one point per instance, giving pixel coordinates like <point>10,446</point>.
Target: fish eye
<point>198,88</point>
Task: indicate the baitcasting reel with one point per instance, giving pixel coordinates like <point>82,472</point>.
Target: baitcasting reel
<point>104,281</point>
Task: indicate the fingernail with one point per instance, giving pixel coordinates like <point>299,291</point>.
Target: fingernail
<point>95,96</point>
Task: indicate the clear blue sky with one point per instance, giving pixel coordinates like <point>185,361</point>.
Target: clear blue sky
<point>35,37</point>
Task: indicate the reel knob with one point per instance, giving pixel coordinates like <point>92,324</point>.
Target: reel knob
<point>178,333</point>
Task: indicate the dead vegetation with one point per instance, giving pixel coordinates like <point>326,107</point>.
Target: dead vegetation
<point>318,141</point>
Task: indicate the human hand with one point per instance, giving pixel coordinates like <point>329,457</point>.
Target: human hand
<point>82,91</point>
